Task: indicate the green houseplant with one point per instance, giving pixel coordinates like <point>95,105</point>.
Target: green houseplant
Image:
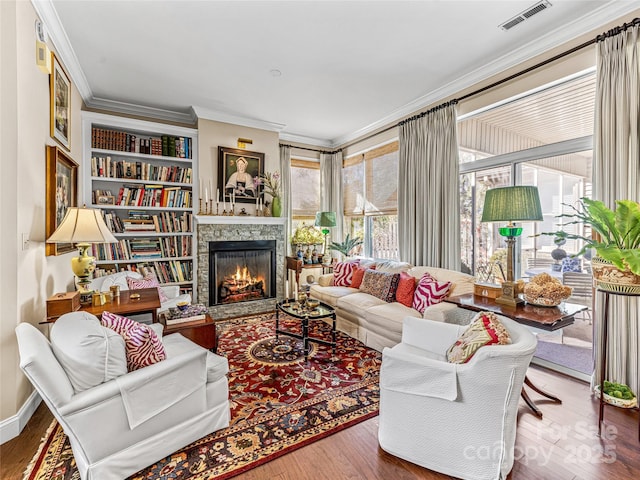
<point>346,246</point>
<point>617,244</point>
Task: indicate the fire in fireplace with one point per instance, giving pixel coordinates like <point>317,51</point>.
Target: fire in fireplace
<point>241,271</point>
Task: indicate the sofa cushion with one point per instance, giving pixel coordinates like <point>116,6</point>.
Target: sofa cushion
<point>386,319</point>
<point>428,292</point>
<point>89,353</point>
<point>358,275</point>
<point>485,329</point>
<point>330,295</point>
<point>143,347</point>
<point>406,289</point>
<point>380,284</point>
<point>357,303</point>
<point>147,282</point>
<point>392,266</point>
<point>343,273</point>
<point>103,284</point>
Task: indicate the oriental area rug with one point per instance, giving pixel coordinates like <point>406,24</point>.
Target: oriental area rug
<point>279,403</point>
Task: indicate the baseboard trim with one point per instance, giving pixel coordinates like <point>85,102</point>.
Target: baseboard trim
<point>11,427</point>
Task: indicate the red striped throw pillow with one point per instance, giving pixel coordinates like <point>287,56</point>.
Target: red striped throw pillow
<point>343,273</point>
<point>147,282</point>
<point>143,347</point>
<point>429,291</point>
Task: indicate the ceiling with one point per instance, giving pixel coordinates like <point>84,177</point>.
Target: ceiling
<point>345,67</point>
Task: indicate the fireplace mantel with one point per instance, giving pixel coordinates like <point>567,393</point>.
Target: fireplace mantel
<point>239,220</point>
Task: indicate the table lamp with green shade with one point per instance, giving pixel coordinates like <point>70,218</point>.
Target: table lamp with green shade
<point>325,220</point>
<point>82,226</point>
<point>511,204</point>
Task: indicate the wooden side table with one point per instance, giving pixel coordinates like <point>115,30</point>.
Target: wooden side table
<point>202,332</point>
<point>604,349</point>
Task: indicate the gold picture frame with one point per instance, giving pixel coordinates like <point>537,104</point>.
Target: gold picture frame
<point>62,193</point>
<point>60,99</point>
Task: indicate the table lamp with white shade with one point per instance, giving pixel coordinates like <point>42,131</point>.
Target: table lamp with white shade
<point>511,204</point>
<point>82,226</point>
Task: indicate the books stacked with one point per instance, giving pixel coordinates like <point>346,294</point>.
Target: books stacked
<point>193,313</point>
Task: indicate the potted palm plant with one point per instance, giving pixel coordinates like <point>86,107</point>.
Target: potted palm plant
<point>347,246</point>
<point>616,266</point>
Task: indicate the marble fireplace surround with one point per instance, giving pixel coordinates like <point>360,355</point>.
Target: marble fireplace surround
<point>211,228</point>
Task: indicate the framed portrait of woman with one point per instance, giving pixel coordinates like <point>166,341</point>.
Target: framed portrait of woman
<point>238,174</point>
<point>62,193</point>
<point>60,97</point>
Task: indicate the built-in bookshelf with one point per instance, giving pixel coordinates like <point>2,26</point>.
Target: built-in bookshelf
<point>141,175</point>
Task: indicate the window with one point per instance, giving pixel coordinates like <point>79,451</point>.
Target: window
<point>305,191</point>
<point>542,139</point>
<point>370,192</point>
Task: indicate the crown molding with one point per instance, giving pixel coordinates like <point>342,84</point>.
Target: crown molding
<point>598,17</point>
<point>141,110</point>
<point>234,119</point>
<point>313,141</point>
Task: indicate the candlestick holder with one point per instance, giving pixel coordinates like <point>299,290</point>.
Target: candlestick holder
<point>200,212</point>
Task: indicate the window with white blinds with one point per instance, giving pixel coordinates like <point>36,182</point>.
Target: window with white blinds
<point>305,188</point>
<point>370,182</point>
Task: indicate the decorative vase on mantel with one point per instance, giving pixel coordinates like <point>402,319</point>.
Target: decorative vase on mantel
<point>610,278</point>
<point>276,207</point>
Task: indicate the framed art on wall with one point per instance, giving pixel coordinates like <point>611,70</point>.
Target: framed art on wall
<point>238,174</point>
<point>60,98</point>
<point>62,193</point>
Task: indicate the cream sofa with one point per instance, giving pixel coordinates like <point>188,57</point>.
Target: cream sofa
<point>378,324</point>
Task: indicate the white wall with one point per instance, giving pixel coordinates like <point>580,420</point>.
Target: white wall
<point>28,276</point>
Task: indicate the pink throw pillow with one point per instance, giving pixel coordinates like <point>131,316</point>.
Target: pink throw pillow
<point>429,291</point>
<point>406,289</point>
<point>147,282</point>
<point>142,346</point>
<point>343,273</point>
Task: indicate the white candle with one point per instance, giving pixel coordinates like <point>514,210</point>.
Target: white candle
<point>201,187</point>
<point>286,288</point>
<point>224,202</point>
<point>257,201</point>
<point>211,186</point>
<point>206,195</point>
<point>217,195</point>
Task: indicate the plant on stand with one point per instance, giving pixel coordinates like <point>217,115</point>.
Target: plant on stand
<point>272,186</point>
<point>617,264</point>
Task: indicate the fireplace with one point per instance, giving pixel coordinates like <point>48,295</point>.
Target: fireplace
<point>241,271</point>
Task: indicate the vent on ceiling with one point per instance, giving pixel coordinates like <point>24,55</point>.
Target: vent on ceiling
<point>527,14</point>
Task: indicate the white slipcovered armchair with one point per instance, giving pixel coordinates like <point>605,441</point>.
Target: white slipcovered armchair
<point>457,419</point>
<point>125,421</point>
<point>102,284</point>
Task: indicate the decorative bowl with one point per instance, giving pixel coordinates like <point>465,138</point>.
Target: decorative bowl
<point>542,302</point>
<point>182,305</point>
<point>618,402</point>
<point>313,304</point>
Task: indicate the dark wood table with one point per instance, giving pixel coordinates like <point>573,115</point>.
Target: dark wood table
<point>202,332</point>
<point>124,305</point>
<point>543,318</point>
<point>296,265</point>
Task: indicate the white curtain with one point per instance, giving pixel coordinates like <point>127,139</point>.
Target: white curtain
<point>285,179</point>
<point>331,191</point>
<point>428,192</point>
<point>616,176</point>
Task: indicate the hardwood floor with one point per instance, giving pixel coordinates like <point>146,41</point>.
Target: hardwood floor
<point>562,446</point>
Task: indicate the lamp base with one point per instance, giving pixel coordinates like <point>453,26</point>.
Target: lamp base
<point>509,296</point>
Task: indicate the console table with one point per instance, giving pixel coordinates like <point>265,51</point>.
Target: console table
<point>544,318</point>
<point>148,302</point>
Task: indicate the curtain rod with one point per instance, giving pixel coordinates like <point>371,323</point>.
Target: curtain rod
<point>310,149</point>
<point>599,38</point>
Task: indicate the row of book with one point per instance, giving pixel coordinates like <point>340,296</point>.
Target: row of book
<point>166,271</point>
<point>107,167</point>
<point>162,222</point>
<point>144,248</point>
<point>164,145</point>
<point>133,195</point>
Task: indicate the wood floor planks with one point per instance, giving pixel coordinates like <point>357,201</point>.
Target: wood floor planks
<point>561,446</point>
